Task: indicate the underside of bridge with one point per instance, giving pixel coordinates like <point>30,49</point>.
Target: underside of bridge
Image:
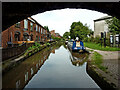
<point>13,12</point>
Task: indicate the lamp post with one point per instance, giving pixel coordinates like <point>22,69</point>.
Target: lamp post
<point>101,38</point>
<point>104,39</point>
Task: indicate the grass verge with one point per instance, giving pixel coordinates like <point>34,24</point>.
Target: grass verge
<point>97,60</point>
<point>98,47</point>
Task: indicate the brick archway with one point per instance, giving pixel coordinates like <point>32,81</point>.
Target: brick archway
<point>16,11</point>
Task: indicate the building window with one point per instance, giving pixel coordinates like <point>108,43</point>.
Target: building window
<point>25,37</point>
<point>17,25</point>
<point>39,29</point>
<point>31,26</point>
<point>31,37</point>
<point>17,36</point>
<point>36,27</point>
<point>44,31</point>
<point>25,24</point>
<point>36,38</point>
<point>39,38</point>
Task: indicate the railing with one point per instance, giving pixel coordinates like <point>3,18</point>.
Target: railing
<point>14,51</point>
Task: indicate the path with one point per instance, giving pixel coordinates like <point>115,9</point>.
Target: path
<point>111,60</point>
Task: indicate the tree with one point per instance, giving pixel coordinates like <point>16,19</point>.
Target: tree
<point>79,30</point>
<point>66,35</point>
<point>113,25</point>
<point>46,27</point>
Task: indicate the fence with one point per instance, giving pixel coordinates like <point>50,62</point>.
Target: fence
<point>17,50</point>
<point>14,51</point>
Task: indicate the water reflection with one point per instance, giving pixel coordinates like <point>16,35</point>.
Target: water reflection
<point>20,75</point>
<point>78,59</point>
<point>58,72</point>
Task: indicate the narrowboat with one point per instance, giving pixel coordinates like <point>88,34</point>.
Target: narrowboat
<point>76,46</point>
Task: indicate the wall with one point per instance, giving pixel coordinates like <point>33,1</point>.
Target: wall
<point>99,27</point>
<point>14,51</point>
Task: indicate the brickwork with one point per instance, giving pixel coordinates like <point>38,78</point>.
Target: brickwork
<point>9,34</point>
<point>55,34</point>
<point>52,32</point>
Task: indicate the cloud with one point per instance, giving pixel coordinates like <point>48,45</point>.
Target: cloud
<point>61,20</point>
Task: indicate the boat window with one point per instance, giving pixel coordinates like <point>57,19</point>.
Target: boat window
<point>77,44</point>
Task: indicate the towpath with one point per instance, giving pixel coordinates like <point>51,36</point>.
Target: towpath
<point>111,60</point>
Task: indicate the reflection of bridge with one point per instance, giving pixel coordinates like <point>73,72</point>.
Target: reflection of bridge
<point>15,12</point>
<point>23,72</point>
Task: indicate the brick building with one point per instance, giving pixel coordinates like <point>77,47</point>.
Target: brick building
<point>27,30</point>
<point>52,32</point>
<point>55,34</point>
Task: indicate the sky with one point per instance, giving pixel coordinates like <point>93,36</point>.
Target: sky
<point>61,20</point>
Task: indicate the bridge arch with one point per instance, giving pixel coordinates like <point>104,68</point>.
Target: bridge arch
<point>16,11</point>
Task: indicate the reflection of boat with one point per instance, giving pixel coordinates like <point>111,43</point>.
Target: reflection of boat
<point>76,46</point>
<point>78,59</point>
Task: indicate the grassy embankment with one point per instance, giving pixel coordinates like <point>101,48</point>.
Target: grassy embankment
<point>98,47</point>
<point>35,48</point>
<point>97,61</point>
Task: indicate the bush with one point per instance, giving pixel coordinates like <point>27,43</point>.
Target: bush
<point>107,42</point>
<point>97,40</point>
<point>37,44</point>
<point>48,44</point>
<point>85,39</point>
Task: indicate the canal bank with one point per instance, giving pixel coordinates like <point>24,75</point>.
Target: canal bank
<point>108,77</point>
<point>12,62</point>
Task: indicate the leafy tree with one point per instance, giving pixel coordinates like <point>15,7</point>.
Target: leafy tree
<point>66,35</point>
<point>79,30</point>
<point>55,38</point>
<point>46,27</point>
<point>113,25</point>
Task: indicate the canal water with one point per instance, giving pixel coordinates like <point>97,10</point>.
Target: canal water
<point>53,67</point>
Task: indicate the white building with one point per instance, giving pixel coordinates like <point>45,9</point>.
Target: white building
<point>101,26</point>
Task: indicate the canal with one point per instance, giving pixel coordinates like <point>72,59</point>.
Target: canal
<point>53,67</point>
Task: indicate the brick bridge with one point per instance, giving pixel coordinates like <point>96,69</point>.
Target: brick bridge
<point>13,12</point>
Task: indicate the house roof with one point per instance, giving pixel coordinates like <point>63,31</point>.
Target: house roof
<point>103,18</point>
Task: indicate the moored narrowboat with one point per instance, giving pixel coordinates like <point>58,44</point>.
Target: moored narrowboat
<point>76,45</point>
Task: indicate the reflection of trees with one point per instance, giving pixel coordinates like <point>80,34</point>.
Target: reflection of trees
<point>57,46</point>
<point>20,75</point>
<point>65,46</point>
